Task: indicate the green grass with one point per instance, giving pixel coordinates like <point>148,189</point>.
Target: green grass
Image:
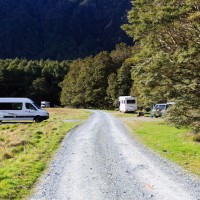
<point>121,114</point>
<point>26,149</point>
<point>177,145</point>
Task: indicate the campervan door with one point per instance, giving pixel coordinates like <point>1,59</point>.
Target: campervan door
<point>127,104</point>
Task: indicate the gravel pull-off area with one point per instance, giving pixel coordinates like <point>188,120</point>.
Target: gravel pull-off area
<point>99,160</point>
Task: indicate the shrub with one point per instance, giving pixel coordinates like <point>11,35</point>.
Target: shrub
<point>183,115</point>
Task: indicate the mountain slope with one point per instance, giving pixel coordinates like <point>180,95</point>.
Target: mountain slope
<point>62,29</point>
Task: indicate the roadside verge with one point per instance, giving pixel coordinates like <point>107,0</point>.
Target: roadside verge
<point>175,144</point>
<point>27,148</point>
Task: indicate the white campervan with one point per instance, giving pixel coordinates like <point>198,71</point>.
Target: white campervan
<point>12,109</point>
<point>127,104</point>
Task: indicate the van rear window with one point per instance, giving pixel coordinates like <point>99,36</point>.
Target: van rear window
<point>130,101</point>
<point>11,106</point>
<point>160,106</point>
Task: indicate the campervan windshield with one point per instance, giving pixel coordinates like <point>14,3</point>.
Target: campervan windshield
<point>36,105</point>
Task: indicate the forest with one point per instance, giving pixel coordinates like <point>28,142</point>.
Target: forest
<point>37,80</point>
<point>162,65</point>
<point>167,56</point>
<point>94,81</point>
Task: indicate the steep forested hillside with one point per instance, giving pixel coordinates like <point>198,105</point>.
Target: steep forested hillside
<point>60,29</point>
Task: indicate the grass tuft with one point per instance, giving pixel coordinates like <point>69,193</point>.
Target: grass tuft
<point>197,137</point>
<point>38,133</point>
<point>18,143</point>
<point>7,155</point>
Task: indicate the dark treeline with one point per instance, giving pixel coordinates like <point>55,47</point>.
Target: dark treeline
<point>37,80</point>
<point>94,82</point>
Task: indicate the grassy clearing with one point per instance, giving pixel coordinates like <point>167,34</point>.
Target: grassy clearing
<point>26,149</point>
<point>177,145</point>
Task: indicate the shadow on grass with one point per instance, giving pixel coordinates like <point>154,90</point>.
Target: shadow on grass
<point>21,122</point>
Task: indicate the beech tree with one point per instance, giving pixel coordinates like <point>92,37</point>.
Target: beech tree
<point>86,83</point>
<point>98,81</point>
<point>167,62</point>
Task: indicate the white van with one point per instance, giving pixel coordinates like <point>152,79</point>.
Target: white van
<point>127,104</point>
<point>12,109</point>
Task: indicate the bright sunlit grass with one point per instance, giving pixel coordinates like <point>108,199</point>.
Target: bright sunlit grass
<point>177,145</point>
<point>26,149</point>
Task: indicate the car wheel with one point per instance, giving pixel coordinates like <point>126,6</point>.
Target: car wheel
<point>37,119</point>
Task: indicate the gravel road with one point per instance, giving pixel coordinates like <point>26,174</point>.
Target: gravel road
<point>99,160</point>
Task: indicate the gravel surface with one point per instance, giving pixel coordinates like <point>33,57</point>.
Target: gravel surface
<point>99,160</point>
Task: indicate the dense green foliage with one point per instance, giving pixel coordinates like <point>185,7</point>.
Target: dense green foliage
<point>166,59</point>
<point>60,29</point>
<point>88,82</point>
<point>98,81</point>
<point>37,80</point>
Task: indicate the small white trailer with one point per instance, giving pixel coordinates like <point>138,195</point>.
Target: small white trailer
<point>127,104</point>
<point>45,104</point>
<point>13,109</point>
